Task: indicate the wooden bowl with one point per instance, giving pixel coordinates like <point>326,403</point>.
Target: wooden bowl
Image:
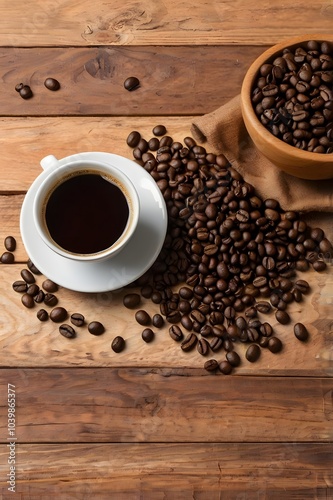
<point>290,159</point>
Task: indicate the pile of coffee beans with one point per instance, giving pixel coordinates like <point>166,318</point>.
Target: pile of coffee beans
<point>229,257</point>
<point>293,96</point>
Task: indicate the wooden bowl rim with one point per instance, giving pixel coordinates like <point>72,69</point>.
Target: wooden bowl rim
<point>247,107</point>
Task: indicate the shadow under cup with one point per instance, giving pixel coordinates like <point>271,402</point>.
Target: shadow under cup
<point>86,211</point>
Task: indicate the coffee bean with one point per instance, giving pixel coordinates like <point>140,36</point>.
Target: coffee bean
<point>77,319</point>
<point>225,367</point>
<point>52,84</point>
<point>189,342</point>
<point>27,301</point>
<point>33,289</point>
<point>203,346</point>
<point>253,353</point>
<point>26,92</point>
<point>176,333</point>
<point>263,307</point>
<point>10,243</point>
<point>274,344</point>
<point>142,317</point>
<point>20,286</point>
<point>32,267</point>
<point>131,300</point>
<point>211,365</point>
<point>158,320</point>
<point>282,317</point>
<point>7,258</point>
<point>133,139</point>
<point>67,331</point>
<point>118,344</point>
<point>58,314</point>
<point>301,332</point>
<point>96,328</point>
<point>50,299</point>
<point>42,315</point>
<point>27,276</point>
<point>302,285</point>
<point>216,344</point>
<point>266,329</point>
<point>50,286</point>
<point>131,83</point>
<point>147,335</point>
<point>159,130</point>
<point>319,266</point>
<point>19,86</point>
<point>39,297</point>
<point>233,358</point>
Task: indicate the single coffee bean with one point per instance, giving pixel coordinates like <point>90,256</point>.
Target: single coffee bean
<point>282,317</point>
<point>147,291</point>
<point>39,297</point>
<point>176,333</point>
<point>67,331</point>
<point>266,329</point>
<point>26,92</point>
<point>225,367</point>
<point>77,319</point>
<point>233,358</point>
<point>301,332</point>
<point>302,285</point>
<point>33,289</point>
<point>159,130</point>
<point>263,307</point>
<point>189,342</point>
<point>32,267</point>
<point>50,299</point>
<point>131,300</point>
<point>50,286</point>
<point>10,243</point>
<point>274,344</point>
<point>131,83</point>
<point>27,301</point>
<point>96,328</point>
<point>319,266</point>
<point>147,335</point>
<point>158,320</point>
<point>52,84</point>
<point>118,344</point>
<point>7,258</point>
<point>27,276</point>
<point>211,365</point>
<point>253,353</point>
<point>42,315</point>
<point>142,317</point>
<point>20,286</point>
<point>216,344</point>
<point>203,347</point>
<point>58,314</point>
<point>133,139</point>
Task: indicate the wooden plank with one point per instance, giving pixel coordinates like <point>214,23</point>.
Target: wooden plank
<point>173,80</point>
<point>64,22</point>
<point>25,341</point>
<point>164,405</point>
<point>37,137</point>
<point>178,471</point>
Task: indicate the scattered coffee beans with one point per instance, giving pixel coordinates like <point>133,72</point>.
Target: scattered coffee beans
<point>58,314</point>
<point>96,328</point>
<point>67,331</point>
<point>147,335</point>
<point>301,332</point>
<point>10,243</point>
<point>293,96</point>
<point>52,84</point>
<point>7,258</point>
<point>131,83</point>
<point>118,344</point>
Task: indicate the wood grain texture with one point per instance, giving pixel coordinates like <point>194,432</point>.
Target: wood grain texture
<point>92,79</point>
<point>25,341</point>
<point>65,22</point>
<point>124,471</point>
<point>164,405</point>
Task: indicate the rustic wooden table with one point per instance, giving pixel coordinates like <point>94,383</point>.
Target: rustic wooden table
<point>149,423</point>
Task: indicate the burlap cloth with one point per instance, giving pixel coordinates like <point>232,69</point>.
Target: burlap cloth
<point>223,131</point>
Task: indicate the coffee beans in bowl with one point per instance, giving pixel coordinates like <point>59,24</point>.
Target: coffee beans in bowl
<point>287,105</point>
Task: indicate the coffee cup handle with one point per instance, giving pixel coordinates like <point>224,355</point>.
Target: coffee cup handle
<point>48,162</point>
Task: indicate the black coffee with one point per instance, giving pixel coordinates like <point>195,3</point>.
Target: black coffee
<point>86,214</point>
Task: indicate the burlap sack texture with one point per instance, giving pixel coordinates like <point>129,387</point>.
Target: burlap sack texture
<point>223,131</point>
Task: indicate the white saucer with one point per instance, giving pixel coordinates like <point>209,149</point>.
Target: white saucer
<point>118,271</point>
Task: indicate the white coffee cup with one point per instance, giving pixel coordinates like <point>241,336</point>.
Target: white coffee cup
<point>85,210</point>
